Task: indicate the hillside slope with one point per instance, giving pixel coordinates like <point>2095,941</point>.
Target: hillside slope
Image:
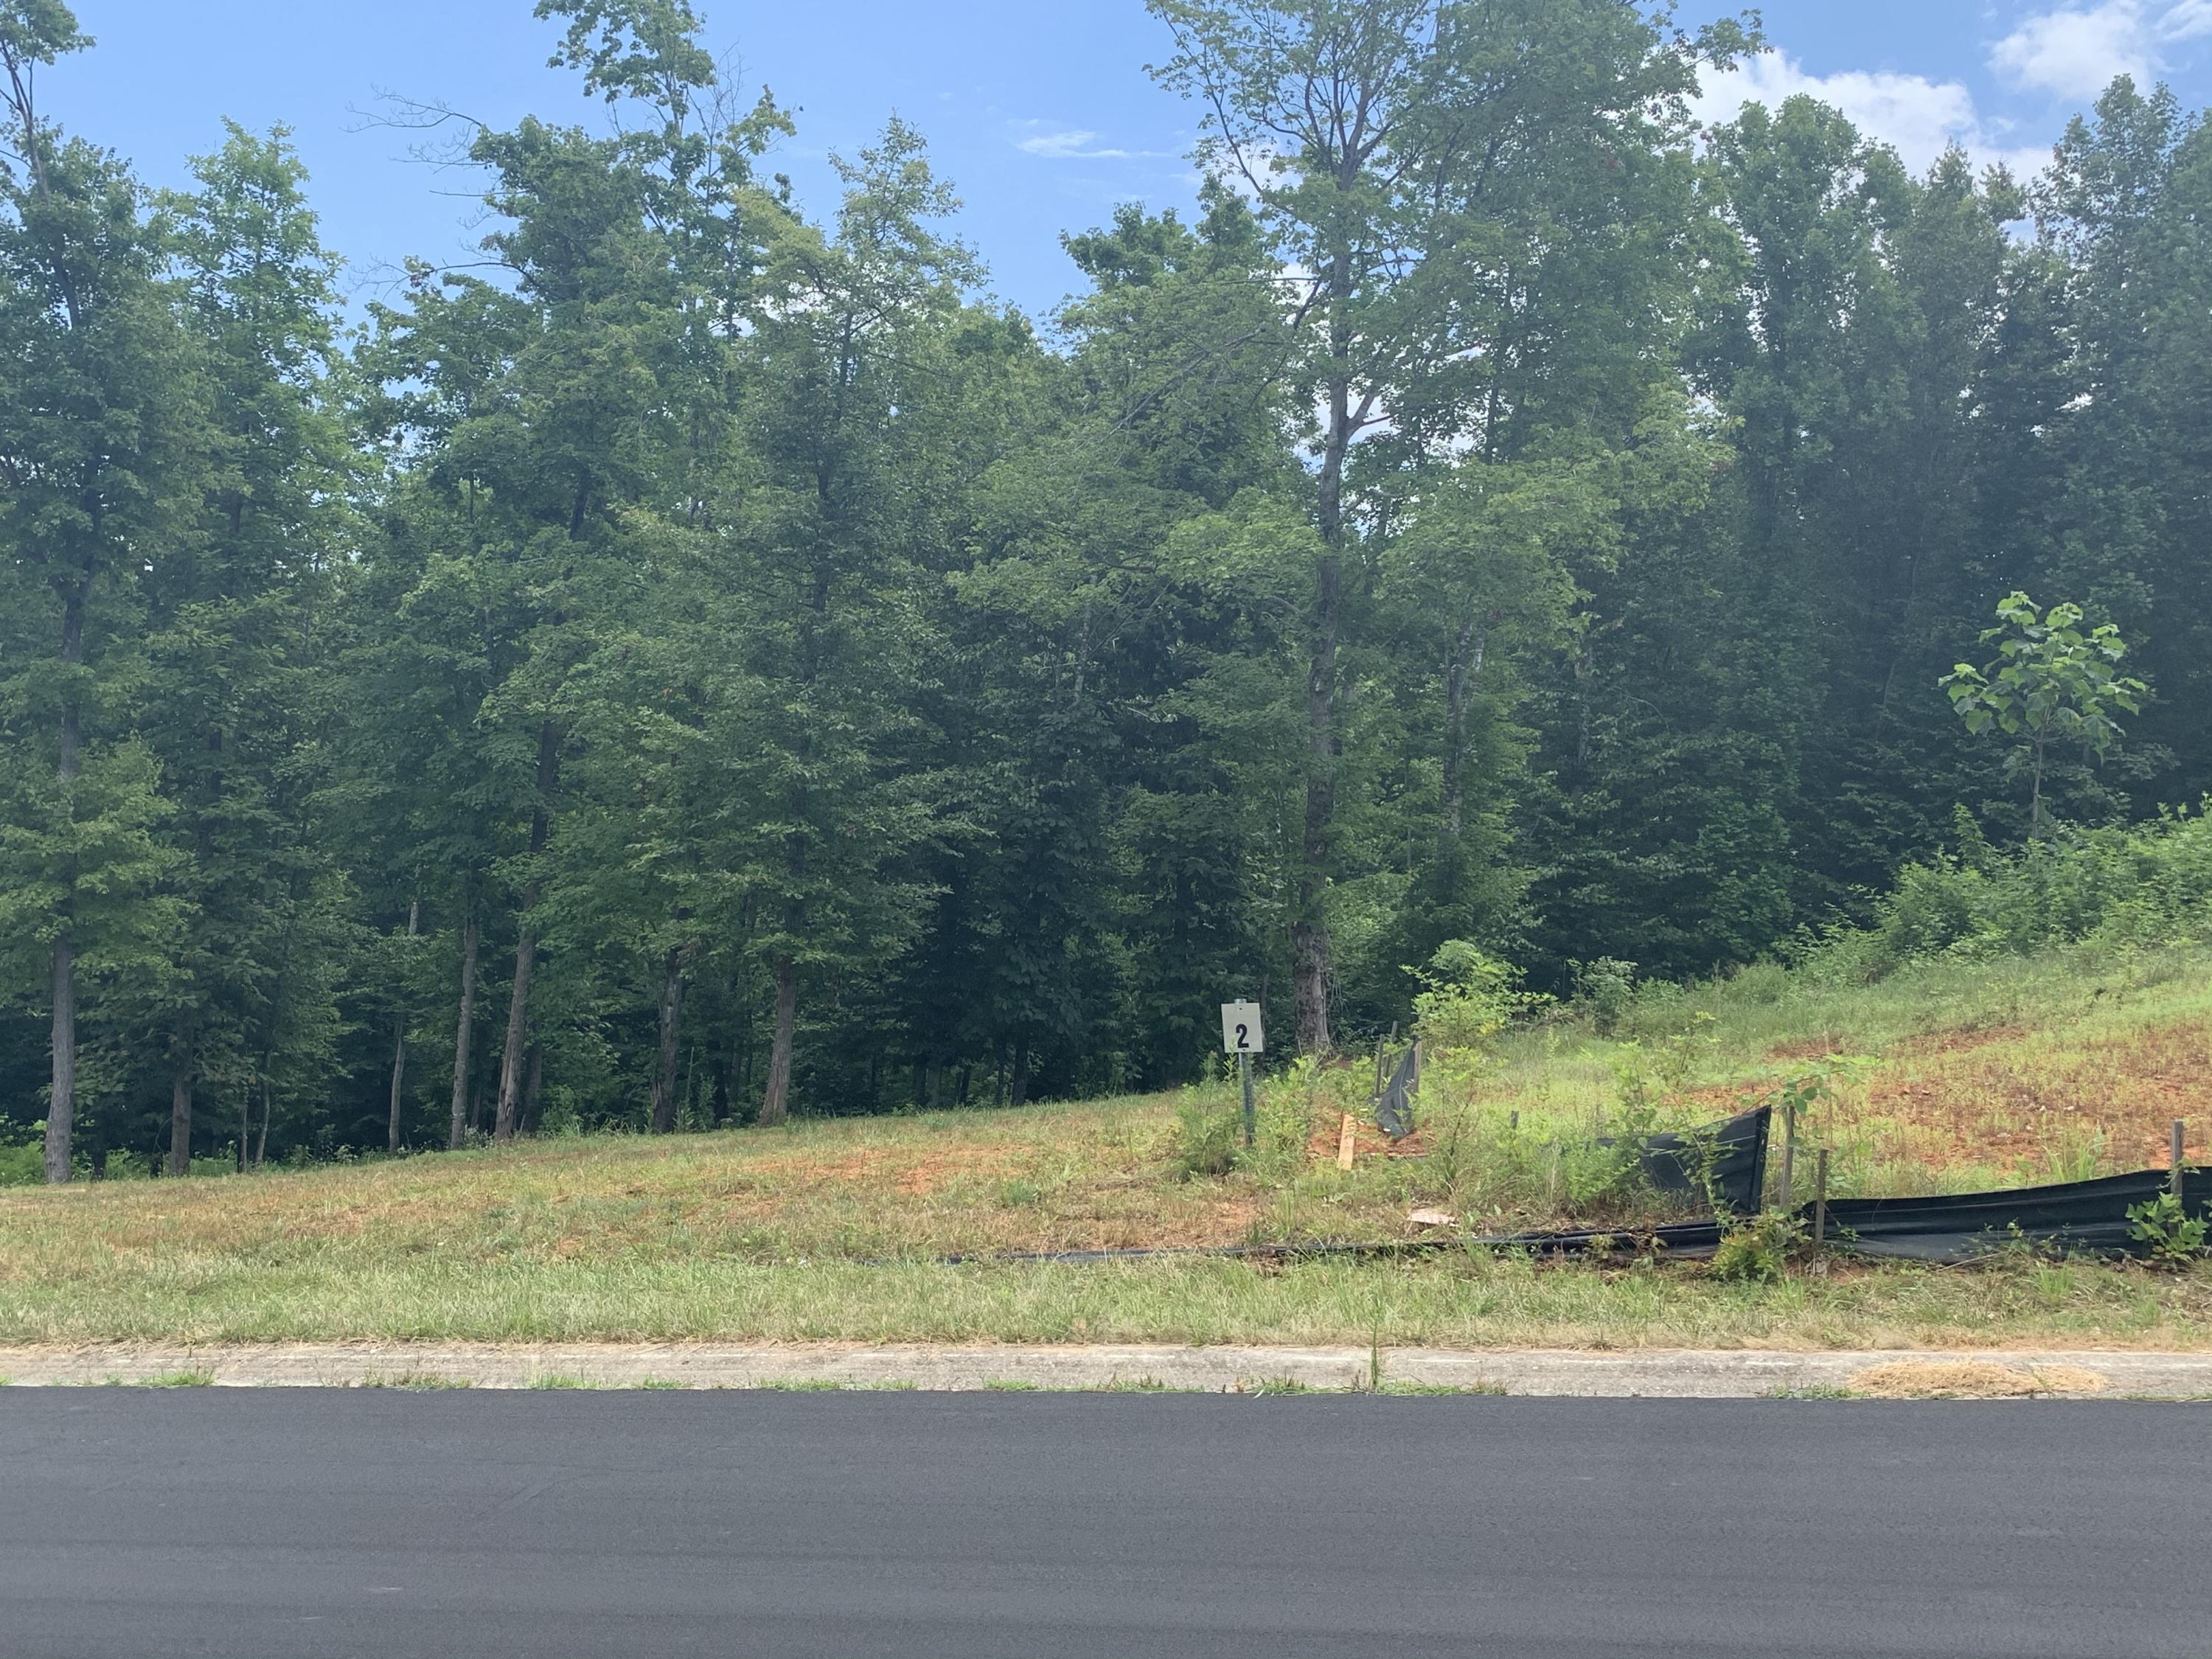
<point>1958,1076</point>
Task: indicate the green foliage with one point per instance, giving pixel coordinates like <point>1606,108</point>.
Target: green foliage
<point>1207,1135</point>
<point>1468,997</point>
<point>2052,683</point>
<point>86,856</point>
<point>23,1165</point>
<point>2143,887</point>
<point>1606,989</point>
<point>2166,1231</point>
<point>1756,1249</point>
<point>730,664</point>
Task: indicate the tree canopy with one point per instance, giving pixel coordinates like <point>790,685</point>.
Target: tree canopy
<point>709,659</point>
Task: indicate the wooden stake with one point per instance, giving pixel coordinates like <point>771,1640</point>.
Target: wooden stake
<point>1820,1198</point>
<point>1789,1156</point>
<point>1345,1142</point>
<point>2180,1135</point>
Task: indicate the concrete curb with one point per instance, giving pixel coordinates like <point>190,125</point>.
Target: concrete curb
<point>1680,1374</point>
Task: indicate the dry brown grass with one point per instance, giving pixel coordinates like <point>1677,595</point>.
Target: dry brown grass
<point>1971,1379</point>
<point>1092,1176</point>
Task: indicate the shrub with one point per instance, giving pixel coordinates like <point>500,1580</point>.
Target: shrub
<point>1468,998</point>
<point>24,1165</point>
<point>2171,1233</point>
<point>1756,1248</point>
<point>1605,989</point>
<point>1206,1136</point>
<point>2146,885</point>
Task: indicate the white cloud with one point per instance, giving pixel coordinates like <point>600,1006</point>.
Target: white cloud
<point>1073,144</point>
<point>2187,21</point>
<point>2076,54</point>
<point>2076,50</point>
<point>1920,118</point>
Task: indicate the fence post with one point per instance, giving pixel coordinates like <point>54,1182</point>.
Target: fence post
<point>1790,1155</point>
<point>1820,1198</point>
<point>2180,1135</point>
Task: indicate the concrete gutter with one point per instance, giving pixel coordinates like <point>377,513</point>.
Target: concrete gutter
<point>1654,1373</point>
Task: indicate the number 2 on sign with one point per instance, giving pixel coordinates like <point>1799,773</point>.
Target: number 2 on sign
<point>1241,1032</point>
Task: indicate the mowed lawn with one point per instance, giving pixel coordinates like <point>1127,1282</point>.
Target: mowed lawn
<point>840,1229</point>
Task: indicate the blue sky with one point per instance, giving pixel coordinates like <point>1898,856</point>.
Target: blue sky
<point>1038,110</point>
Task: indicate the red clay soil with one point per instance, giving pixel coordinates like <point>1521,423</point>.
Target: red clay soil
<point>1367,1141</point>
<point>1994,1091</point>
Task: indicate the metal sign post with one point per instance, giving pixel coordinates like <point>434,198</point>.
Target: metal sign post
<point>1241,1035</point>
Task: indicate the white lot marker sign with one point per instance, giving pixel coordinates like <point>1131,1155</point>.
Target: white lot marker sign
<point>1240,1029</point>
<point>1241,1035</point>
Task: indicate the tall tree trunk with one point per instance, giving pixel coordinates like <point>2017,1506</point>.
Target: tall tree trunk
<point>61,1109</point>
<point>534,1087</point>
<point>245,1125</point>
<point>671,1022</point>
<point>1310,941</point>
<point>261,1145</point>
<point>465,1028</point>
<point>775,1103</point>
<point>513,1055</point>
<point>525,946</point>
<point>61,1103</point>
<point>399,1044</point>
<point>180,1107</point>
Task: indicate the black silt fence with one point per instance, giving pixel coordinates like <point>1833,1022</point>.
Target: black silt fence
<point>2088,1218</point>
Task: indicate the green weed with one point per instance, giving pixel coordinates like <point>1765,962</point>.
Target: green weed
<point>1424,1389</point>
<point>2172,1234</point>
<point>1756,1248</point>
<point>1206,1137</point>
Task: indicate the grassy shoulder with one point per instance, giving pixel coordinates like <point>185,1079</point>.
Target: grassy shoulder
<point>1968,1075</point>
<point>1463,1301</point>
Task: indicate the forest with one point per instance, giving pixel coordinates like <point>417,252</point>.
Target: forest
<point>708,660</point>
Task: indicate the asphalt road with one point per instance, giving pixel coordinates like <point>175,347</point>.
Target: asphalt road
<point>301,1523</point>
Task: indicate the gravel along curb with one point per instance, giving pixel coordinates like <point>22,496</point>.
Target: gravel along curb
<point>1656,1373</point>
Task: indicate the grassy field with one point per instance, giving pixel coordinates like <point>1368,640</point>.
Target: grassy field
<point>1953,1076</point>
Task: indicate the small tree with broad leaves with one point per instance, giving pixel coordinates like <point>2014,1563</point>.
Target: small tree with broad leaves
<point>2053,682</point>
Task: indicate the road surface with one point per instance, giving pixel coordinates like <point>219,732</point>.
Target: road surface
<point>305,1523</point>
